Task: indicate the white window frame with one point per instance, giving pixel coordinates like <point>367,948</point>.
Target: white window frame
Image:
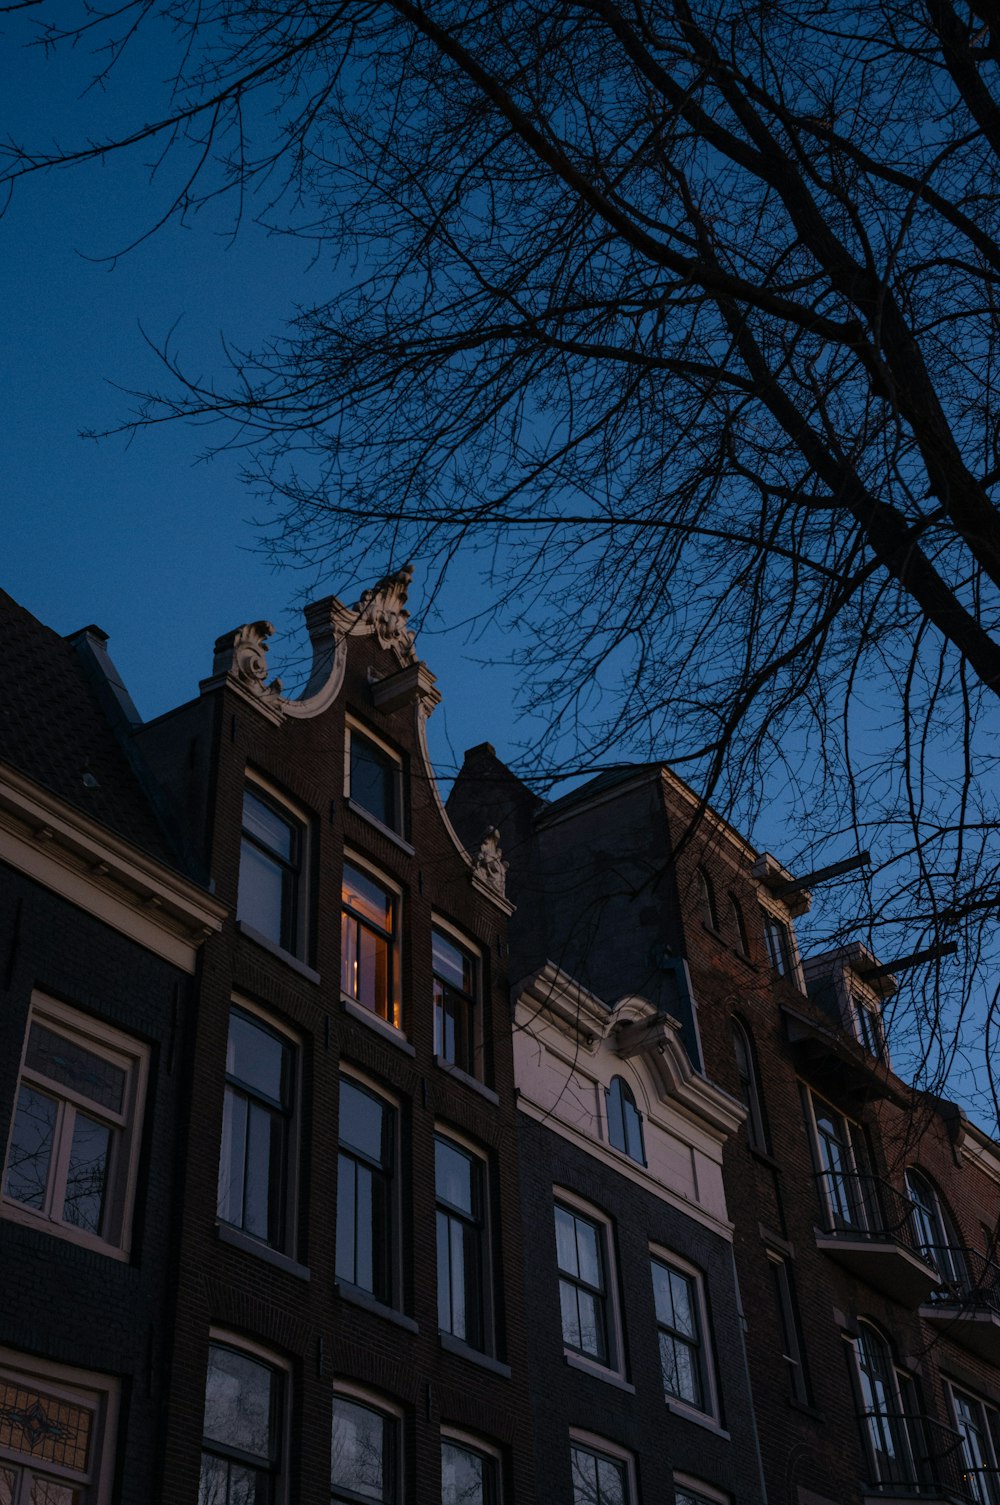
<point>615,1332</point>
<point>352,729</point>
<point>897,1423</point>
<point>863,1008</point>
<point>706,1347</point>
<point>703,1492</point>
<point>794,970</point>
<point>476,1444</point>
<point>392,1411</point>
<point>989,1492</point>
<point>295,815</point>
<point>289,1243</point>
<point>394,1027</point>
<point>97,1393</point>
<point>378,1089</point>
<point>591,1442</point>
<point>128,1054</point>
<point>790,1325</point>
<point>473,950</point>
<point>858,1171</point>
<point>447,1131</point>
<point>222,1338</point>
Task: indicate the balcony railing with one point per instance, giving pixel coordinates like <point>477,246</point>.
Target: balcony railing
<point>919,1457</point>
<point>966,1304</point>
<point>869,1228</point>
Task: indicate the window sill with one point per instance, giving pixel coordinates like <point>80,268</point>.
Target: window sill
<point>279,951</point>
<point>469,1081</point>
<point>378,1026</point>
<point>484,1360</point>
<point>369,1303</point>
<point>588,1366</point>
<point>13,1213</point>
<point>764,1158</point>
<point>250,1245</point>
<point>698,1417</point>
<point>373,820</point>
<point>806,1409</point>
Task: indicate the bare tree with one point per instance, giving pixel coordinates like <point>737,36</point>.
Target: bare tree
<point>684,311</point>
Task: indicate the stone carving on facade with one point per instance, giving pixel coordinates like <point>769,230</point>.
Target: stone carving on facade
<point>242,654</point>
<point>382,610</point>
<point>489,865</point>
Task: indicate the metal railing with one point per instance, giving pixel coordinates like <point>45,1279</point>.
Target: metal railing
<point>968,1278</point>
<point>918,1456</point>
<point>862,1206</point>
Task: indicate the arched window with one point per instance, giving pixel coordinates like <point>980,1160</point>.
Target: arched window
<point>739,925</point>
<point>706,901</point>
<point>746,1066</point>
<point>934,1230</point>
<point>624,1120</point>
<point>887,1411</point>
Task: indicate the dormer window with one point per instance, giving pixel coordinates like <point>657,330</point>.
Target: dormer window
<point>868,1026</point>
<point>624,1120</point>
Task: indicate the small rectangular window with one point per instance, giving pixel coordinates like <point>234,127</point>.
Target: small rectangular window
<point>272,895</point>
<point>256,1161</point>
<point>457,1025</point>
<point>242,1455</point>
<point>375,780</point>
<point>791,1331</point>
<point>584,1294</point>
<point>364,1452</point>
<point>599,1477</point>
<point>56,1433</point>
<point>366,1220</point>
<point>369,937</point>
<point>463,1268</point>
<point>469,1475</point>
<point>685,1361</point>
<point>74,1140</point>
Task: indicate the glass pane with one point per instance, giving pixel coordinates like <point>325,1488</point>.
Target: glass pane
<point>49,1429</point>
<point>566,1242</point>
<point>570,1314</point>
<point>260,902</point>
<point>453,1171</point>
<point>611,1481</point>
<point>265,1163</point>
<point>362,1121</point>
<point>359,1458</point>
<point>31,1147</point>
<point>238,1402</point>
<point>616,1121</point>
<point>374,781</point>
<point>259,1058</point>
<point>463,1476</point>
<point>591,1324</point>
<point>73,1066</point>
<point>267,826</point>
<point>48,1492</point>
<point>588,1252</point>
<point>8,1480</point>
<point>461,1314</point>
<point>685,1320</point>
<point>346,1214</point>
<point>584,1472</point>
<point>372,972</point>
<point>86,1178</point>
<point>367,898</point>
<point>451,963</point>
<point>443,1273</point>
<point>232,1158</point>
<point>364,1228</point>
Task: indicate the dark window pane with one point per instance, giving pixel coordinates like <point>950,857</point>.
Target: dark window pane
<point>454,1176</point>
<point>267,827</point>
<point>346,1220</point>
<point>86,1177</point>
<point>232,1160</point>
<point>30,1147</point>
<point>375,781</point>
<point>466,1476</point>
<point>258,1058</point>
<point>452,964</point>
<point>361,1451</point>
<point>264,1173</point>
<point>261,902</point>
<point>362,1119</point>
<point>70,1064</point>
<point>240,1403</point>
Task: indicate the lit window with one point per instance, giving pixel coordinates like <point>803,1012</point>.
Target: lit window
<point>791,1333</point>
<point>469,1476</point>
<point>462,1247</point>
<point>369,945</point>
<point>364,1453</point>
<point>887,1412</point>
<point>271,900</point>
<point>375,780</point>
<point>624,1120</point>
<point>935,1233</point>
<point>365,1221</point>
<point>746,1067</point>
<point>582,1258</point>
<point>739,925</point>
<point>56,1434</point>
<point>778,938</point>
<point>680,1320</point>
<point>599,1478</point>
<point>241,1459</point>
<point>980,1476</point>
<point>455,1023</point>
<point>706,900</point>
<point>74,1141</point>
<point>258,1143</point>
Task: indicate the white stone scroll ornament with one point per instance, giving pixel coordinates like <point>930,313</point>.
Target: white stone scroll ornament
<point>382,610</point>
<point>242,654</point>
<point>488,863</point>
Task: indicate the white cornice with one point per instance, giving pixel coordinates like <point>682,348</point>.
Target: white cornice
<point>576,1011</point>
<point>60,847</point>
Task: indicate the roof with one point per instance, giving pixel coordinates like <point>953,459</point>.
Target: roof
<point>608,779</point>
<point>53,730</point>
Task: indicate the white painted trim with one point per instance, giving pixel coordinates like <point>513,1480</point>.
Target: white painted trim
<point>671,1260</point>
<point>592,1442</point>
<point>100,1393</point>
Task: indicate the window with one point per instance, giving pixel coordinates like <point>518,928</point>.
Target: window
<point>887,1411</point>
<point>706,900</point>
<point>680,1318</point>
<point>258,1141</point>
<point>370,945</point>
<point>74,1141</point>
<point>469,1476</point>
<point>689,1491</point>
<point>462,1251</point>
<point>375,779</point>
<point>980,1476</point>
<point>584,1295</point>
<point>365,1200</point>
<point>840,1154</point>
<point>456,1026</point>
<point>364,1452</point>
<point>868,1026</point>
<point>746,1067</point>
<point>778,939</point>
<point>56,1434</point>
<point>599,1478</point>
<point>934,1231</point>
<point>739,925</point>
<point>271,867</point>
<point>791,1329</point>
<point>624,1120</point>
<point>241,1460</point>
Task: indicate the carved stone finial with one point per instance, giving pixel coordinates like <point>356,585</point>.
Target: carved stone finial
<point>488,863</point>
<point>382,609</point>
<point>242,654</point>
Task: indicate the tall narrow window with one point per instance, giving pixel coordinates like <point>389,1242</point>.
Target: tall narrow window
<point>364,1453</point>
<point>456,1026</point>
<point>778,939</point>
<point>376,780</point>
<point>684,1359</point>
<point>791,1331</point>
<point>73,1149</point>
<point>462,1248</point>
<point>241,1460</point>
<point>739,926</point>
<point>255,1182</point>
<point>271,863</point>
<point>599,1478</point>
<point>582,1257</point>
<point>886,1417</point>
<point>750,1095</point>
<point>934,1231</point>
<point>980,1476</point>
<point>370,944</point>
<point>469,1475</point>
<point>624,1120</point>
<point>868,1027</point>
<point>365,1222</point>
<point>841,1164</point>
<point>706,900</point>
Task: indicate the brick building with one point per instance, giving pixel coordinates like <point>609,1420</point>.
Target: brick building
<point>865,1213</point>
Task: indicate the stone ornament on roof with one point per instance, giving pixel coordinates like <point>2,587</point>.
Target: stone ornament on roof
<point>382,610</point>
<point>242,655</point>
<point>489,865</point>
